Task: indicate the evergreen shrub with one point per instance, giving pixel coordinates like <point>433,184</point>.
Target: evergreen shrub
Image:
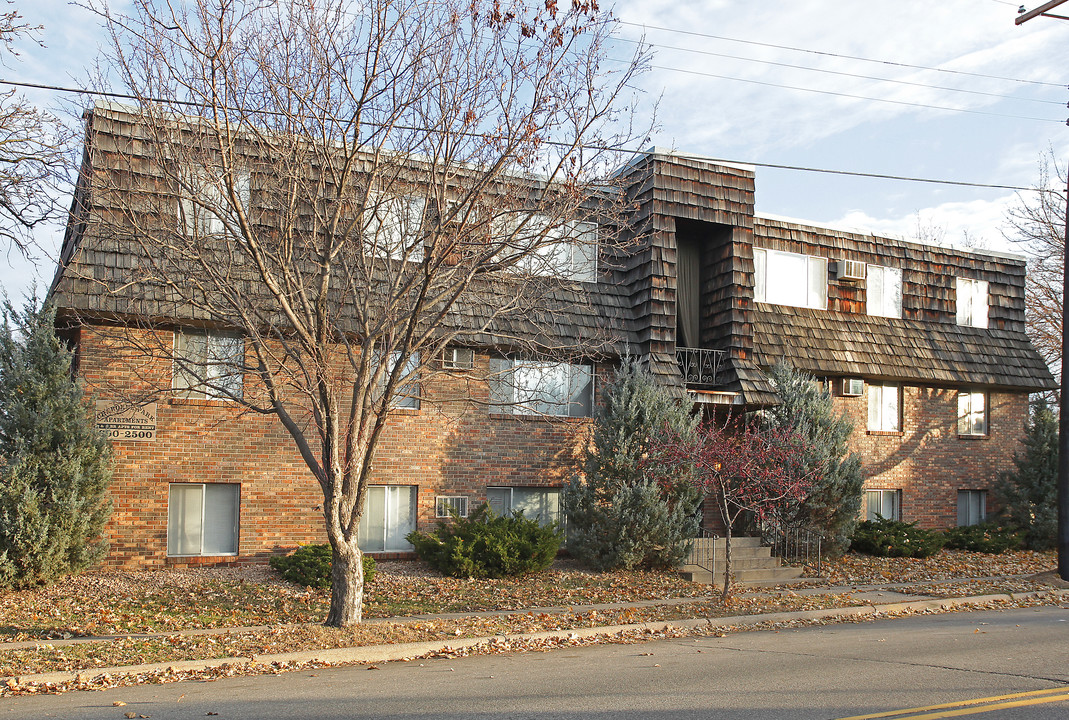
<point>55,465</point>
<point>1029,493</point>
<point>621,513</point>
<point>309,565</point>
<point>484,545</point>
<point>893,538</point>
<point>985,537</point>
<point>833,502</point>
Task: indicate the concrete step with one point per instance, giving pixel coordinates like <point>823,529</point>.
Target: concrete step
<point>736,554</point>
<point>751,577</point>
<point>743,541</point>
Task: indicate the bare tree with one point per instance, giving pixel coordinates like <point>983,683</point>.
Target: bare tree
<point>1037,225</point>
<point>33,161</point>
<point>351,188</point>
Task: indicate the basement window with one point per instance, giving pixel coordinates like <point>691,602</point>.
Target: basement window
<point>389,515</point>
<point>202,519</point>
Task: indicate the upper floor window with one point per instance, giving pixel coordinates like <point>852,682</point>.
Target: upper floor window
<point>541,387</point>
<point>207,364</point>
<point>785,278</point>
<point>406,394</point>
<point>972,413</point>
<point>204,208</point>
<point>567,249</point>
<point>393,226</point>
<point>885,408</point>
<point>972,302</point>
<point>883,294</point>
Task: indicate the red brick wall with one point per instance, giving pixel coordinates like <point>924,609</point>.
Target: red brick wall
<point>928,461</point>
<point>449,446</point>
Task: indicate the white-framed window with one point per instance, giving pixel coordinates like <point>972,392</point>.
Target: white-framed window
<point>883,292</point>
<point>389,515</point>
<point>207,364</point>
<point>972,413</point>
<point>971,302</point>
<point>784,278</point>
<point>541,387</point>
<point>542,504</point>
<point>972,507</point>
<point>393,226</point>
<point>886,504</point>
<point>885,407</point>
<point>204,208</point>
<point>450,505</point>
<point>202,519</point>
<point>566,249</point>
<point>406,395</point>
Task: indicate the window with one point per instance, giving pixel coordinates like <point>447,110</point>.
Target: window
<point>886,504</point>
<point>208,210</point>
<point>535,503</point>
<point>883,294</point>
<point>567,250</point>
<point>450,505</point>
<point>972,302</point>
<point>791,279</point>
<point>207,364</point>
<point>389,515</point>
<point>393,226</point>
<point>972,507</point>
<point>202,519</point>
<point>541,387</point>
<point>407,393</point>
<point>885,408</point>
<point>972,413</point>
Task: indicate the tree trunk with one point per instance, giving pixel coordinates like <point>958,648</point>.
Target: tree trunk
<point>726,595</point>
<point>346,584</point>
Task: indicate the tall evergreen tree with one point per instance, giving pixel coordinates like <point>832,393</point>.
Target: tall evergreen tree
<point>1029,494</point>
<point>54,465</point>
<point>620,515</point>
<point>834,500</point>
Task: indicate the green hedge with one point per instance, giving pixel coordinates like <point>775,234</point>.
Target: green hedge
<point>486,546</point>
<point>892,538</point>
<point>310,565</point>
<point>985,537</point>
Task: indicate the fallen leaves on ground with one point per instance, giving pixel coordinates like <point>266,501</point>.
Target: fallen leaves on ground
<point>172,601</point>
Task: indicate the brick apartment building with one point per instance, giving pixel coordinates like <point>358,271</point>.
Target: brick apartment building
<point>924,347</point>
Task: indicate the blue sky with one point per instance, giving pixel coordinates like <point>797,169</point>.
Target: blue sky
<point>743,116</point>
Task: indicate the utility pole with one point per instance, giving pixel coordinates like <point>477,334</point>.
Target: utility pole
<point>1063,404</point>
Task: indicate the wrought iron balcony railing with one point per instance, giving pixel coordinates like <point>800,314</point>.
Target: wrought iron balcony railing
<point>700,366</point>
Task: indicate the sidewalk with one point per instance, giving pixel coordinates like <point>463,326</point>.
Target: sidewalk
<point>879,600</point>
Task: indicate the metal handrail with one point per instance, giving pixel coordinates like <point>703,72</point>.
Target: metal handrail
<point>795,544</point>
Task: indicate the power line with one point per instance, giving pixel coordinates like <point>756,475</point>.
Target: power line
<point>586,146</point>
<point>849,95</point>
<point>834,72</point>
<point>839,55</point>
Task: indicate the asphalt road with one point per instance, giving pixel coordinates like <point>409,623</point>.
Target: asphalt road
<point>836,671</point>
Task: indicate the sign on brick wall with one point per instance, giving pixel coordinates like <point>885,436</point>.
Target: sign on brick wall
<point>129,421</point>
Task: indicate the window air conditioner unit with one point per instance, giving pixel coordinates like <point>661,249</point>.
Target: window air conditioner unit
<point>850,270</point>
<point>853,387</point>
<point>458,358</point>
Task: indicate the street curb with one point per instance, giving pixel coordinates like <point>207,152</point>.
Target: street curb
<point>408,651</point>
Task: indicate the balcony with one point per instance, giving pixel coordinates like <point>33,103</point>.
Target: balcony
<point>700,367</point>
